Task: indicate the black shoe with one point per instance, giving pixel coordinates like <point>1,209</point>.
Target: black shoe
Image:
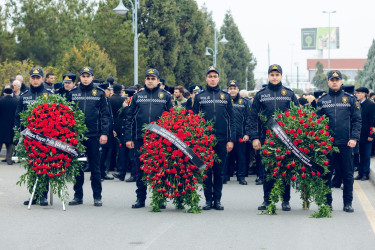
<point>107,177</point>
<point>43,202</point>
<point>285,206</point>
<point>118,176</point>
<point>138,204</point>
<point>264,206</point>
<point>218,206</point>
<point>26,203</point>
<point>10,162</point>
<point>208,205</point>
<point>130,179</point>
<point>348,208</point>
<point>5,160</point>
<point>98,202</point>
<point>162,206</point>
<point>258,181</point>
<point>358,177</point>
<point>75,201</point>
<point>242,181</point>
<point>365,178</point>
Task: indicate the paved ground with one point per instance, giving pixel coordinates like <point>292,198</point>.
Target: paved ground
<point>239,226</point>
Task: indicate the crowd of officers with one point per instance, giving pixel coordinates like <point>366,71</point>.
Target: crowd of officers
<point>115,116</point>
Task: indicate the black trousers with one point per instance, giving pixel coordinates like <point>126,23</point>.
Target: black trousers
<point>10,149</point>
<point>237,160</point>
<point>92,151</point>
<point>213,184</point>
<point>141,190</point>
<point>126,161</point>
<point>365,158</point>
<point>342,162</point>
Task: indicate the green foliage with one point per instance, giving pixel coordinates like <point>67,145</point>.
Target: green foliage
<point>89,54</point>
<point>173,36</point>
<point>10,69</point>
<point>366,77</point>
<point>236,55</point>
<point>320,79</point>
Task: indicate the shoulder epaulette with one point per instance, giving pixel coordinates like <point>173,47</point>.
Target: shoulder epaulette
<point>75,87</point>
<point>24,92</point>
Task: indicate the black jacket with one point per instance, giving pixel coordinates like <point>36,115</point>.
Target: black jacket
<point>343,111</point>
<point>116,102</point>
<point>368,119</point>
<point>217,107</point>
<point>241,116</point>
<point>266,101</point>
<point>92,101</point>
<point>8,106</point>
<point>27,97</point>
<point>146,106</point>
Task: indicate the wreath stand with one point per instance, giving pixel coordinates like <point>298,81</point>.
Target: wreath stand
<point>50,193</point>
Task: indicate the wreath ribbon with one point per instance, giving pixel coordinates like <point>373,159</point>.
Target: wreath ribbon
<point>48,141</point>
<point>186,150</point>
<point>272,124</point>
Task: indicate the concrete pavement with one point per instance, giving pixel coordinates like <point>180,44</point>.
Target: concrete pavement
<point>239,226</point>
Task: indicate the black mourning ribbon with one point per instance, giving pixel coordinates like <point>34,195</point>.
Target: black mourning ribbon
<point>272,124</point>
<point>48,141</point>
<point>186,150</point>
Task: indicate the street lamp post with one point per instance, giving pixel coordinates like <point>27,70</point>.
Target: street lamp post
<point>122,10</point>
<point>215,50</point>
<point>329,35</point>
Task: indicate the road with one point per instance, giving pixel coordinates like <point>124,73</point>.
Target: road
<point>117,226</point>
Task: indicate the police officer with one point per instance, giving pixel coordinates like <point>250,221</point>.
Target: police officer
<point>69,81</point>
<point>29,96</point>
<point>146,106</point>
<point>193,89</point>
<point>126,157</point>
<point>366,138</point>
<point>217,107</point>
<point>344,115</point>
<point>270,98</point>
<point>241,116</point>
<point>91,100</point>
<point>108,148</point>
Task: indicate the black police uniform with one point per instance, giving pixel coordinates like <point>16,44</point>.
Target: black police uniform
<point>266,102</point>
<point>237,157</point>
<point>92,101</point>
<point>344,115</point>
<point>28,97</point>
<point>108,149</point>
<point>217,107</point>
<point>146,106</point>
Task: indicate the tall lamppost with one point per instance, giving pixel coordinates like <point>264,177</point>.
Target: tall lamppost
<point>215,50</point>
<point>122,10</point>
<point>329,35</point>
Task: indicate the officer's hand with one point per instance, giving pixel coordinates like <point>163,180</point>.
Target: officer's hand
<point>352,143</point>
<point>370,138</point>
<point>103,139</point>
<point>130,144</point>
<point>256,144</point>
<point>245,138</point>
<point>114,133</point>
<point>229,146</point>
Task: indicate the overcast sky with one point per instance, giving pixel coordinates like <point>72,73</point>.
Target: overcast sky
<point>279,23</point>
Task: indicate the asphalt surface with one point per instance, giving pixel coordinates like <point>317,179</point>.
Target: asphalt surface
<point>116,225</point>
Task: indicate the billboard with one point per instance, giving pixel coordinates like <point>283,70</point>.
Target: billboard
<point>318,38</point>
